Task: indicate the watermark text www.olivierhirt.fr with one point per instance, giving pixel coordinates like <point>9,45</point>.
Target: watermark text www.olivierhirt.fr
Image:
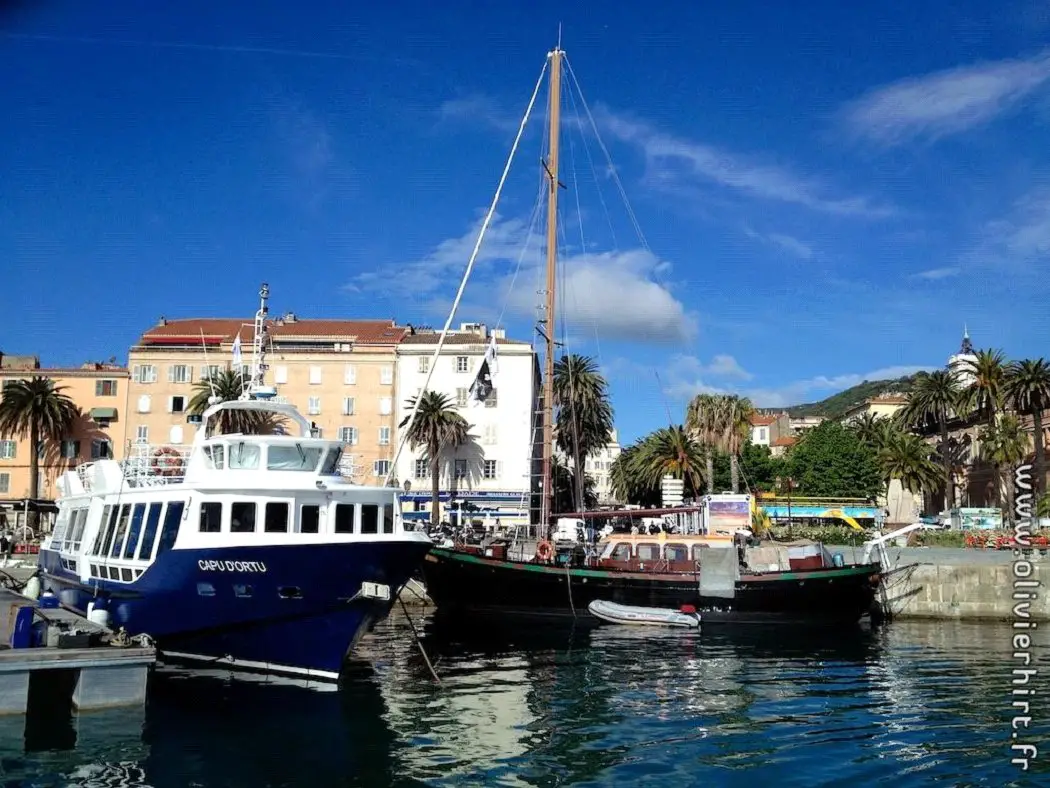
<point>1025,585</point>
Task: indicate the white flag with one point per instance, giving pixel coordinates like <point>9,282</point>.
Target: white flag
<point>237,353</point>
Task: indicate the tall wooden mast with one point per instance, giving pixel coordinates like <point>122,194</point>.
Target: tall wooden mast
<point>546,506</point>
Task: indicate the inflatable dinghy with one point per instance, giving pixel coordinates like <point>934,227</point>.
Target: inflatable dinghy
<point>686,617</point>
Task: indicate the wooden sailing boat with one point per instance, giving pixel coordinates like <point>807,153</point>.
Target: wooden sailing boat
<point>665,571</point>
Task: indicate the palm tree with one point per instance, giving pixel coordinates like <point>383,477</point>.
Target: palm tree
<point>876,431</point>
<point>933,400</point>
<point>36,409</point>
<point>227,386</point>
<point>909,459</point>
<point>736,413</point>
<point>584,419</point>
<point>1004,446</point>
<point>705,422</point>
<point>669,451</point>
<point>437,426</point>
<point>565,487</point>
<point>1028,389</point>
<point>984,395</point>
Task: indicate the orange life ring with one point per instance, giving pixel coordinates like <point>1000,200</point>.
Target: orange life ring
<point>167,461</point>
<point>544,550</point>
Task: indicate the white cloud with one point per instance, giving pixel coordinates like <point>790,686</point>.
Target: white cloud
<point>937,273</point>
<point>945,102</point>
<point>478,109</point>
<point>1020,237</point>
<point>613,294</point>
<point>670,158</point>
<point>683,383</point>
<point>793,245</point>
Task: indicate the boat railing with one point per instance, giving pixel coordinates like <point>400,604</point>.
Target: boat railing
<point>155,465</point>
<point>878,544</point>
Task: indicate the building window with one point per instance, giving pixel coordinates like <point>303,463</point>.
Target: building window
<point>276,518</point>
<point>348,406</point>
<point>349,375</point>
<point>70,450</point>
<point>348,435</point>
<point>381,467</point>
<point>461,469</point>
<point>762,434</point>
<point>490,436</point>
<point>144,403</point>
<point>491,400</point>
<point>386,376</point>
<point>101,449</point>
<point>105,388</point>
<point>144,373</point>
<point>280,374</point>
<point>176,404</point>
<point>490,469</point>
<point>210,371</point>
<point>314,406</point>
<point>175,435</point>
<point>8,449</point>
<point>211,517</point>
<point>422,469</point>
<point>384,436</point>
<point>315,376</point>
<point>242,517</point>
<point>385,406</point>
<point>462,364</point>
<point>423,365</point>
<point>142,434</point>
<point>5,482</point>
<point>461,398</point>
<point>180,373</point>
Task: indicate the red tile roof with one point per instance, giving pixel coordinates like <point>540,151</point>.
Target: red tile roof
<point>366,332</point>
<point>760,420</point>
<point>787,440</point>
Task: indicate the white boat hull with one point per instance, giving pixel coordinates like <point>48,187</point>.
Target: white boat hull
<point>644,616</point>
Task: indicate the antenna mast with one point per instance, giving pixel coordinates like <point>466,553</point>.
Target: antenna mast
<point>258,371</point>
<point>547,499</point>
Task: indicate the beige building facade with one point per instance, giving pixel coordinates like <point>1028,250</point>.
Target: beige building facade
<point>338,373</point>
<point>100,392</point>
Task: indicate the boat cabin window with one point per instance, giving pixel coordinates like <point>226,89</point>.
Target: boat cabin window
<point>172,518</point>
<point>103,523</point>
<point>276,518</point>
<point>309,518</point>
<point>105,530</point>
<point>122,529</point>
<point>244,456</point>
<point>369,518</point>
<point>242,517</point>
<point>214,456</point>
<point>293,458</point>
<point>211,517</point>
<point>676,552</point>
<point>388,519</point>
<point>331,462</point>
<point>622,552</point>
<point>149,535</point>
<point>344,518</point>
<point>648,551</point>
<point>138,515</point>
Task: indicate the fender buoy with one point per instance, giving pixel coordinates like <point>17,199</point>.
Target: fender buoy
<point>167,461</point>
<point>544,550</point>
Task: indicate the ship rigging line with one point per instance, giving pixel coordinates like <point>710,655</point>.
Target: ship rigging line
<point>466,275</point>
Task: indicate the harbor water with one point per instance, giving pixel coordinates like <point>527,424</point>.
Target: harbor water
<point>910,703</point>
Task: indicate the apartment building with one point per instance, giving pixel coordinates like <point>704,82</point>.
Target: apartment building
<point>598,467</point>
<point>338,373</point>
<point>99,391</point>
<point>767,428</point>
<point>498,468</point>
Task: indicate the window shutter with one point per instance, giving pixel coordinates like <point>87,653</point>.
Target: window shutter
<point>171,373</point>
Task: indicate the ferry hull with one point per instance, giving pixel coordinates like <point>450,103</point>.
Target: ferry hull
<point>465,583</point>
<point>291,609</point>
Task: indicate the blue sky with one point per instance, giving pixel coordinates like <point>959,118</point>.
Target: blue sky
<point>825,194</point>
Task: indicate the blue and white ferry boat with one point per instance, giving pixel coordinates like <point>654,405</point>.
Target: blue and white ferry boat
<point>249,550</point>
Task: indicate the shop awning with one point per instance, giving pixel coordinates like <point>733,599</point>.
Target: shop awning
<point>103,413</point>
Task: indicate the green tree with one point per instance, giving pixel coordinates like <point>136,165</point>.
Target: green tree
<point>36,409</point>
<point>736,424</point>
<point>984,395</point>
<point>626,485</point>
<point>584,416</point>
<point>876,431</point>
<point>670,451</point>
<point>1005,445</point>
<point>1028,390</point>
<point>437,426</point>
<point>228,386</point>
<point>934,399</point>
<point>760,468</point>
<point>830,460</point>
<point>705,419</point>
<point>565,488</point>
<point>909,459</point>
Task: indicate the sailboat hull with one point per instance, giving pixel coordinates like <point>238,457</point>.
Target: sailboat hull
<point>461,583</point>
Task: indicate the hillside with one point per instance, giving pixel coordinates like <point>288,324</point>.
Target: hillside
<point>838,404</point>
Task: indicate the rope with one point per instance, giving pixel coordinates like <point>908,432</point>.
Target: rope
<point>568,584</point>
<point>466,275</point>
<point>419,642</point>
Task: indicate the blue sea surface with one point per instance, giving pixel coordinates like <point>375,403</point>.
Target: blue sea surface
<point>907,704</point>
